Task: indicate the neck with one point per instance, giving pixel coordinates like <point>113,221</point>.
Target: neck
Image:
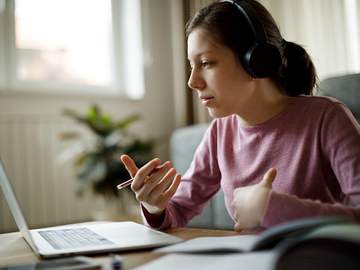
<point>265,101</point>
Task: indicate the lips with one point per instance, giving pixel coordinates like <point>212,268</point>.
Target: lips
<point>205,98</point>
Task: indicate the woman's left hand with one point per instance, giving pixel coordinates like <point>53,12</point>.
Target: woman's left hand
<point>250,202</point>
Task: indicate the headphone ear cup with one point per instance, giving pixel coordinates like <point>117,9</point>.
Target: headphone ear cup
<point>262,60</point>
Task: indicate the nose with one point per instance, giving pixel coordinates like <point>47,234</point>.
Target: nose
<point>196,82</point>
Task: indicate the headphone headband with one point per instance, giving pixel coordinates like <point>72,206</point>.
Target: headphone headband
<point>251,17</point>
<point>262,59</point>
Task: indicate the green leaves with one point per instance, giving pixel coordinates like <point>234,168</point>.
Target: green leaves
<point>101,124</point>
<point>98,167</point>
<point>124,123</point>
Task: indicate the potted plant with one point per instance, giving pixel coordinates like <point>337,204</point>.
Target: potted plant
<point>97,164</point>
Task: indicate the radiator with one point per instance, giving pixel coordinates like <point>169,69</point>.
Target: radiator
<point>44,187</point>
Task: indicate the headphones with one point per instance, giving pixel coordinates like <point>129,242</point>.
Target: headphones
<point>262,59</point>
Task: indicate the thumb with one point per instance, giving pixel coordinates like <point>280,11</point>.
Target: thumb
<point>268,178</point>
<point>129,164</point>
<point>238,227</point>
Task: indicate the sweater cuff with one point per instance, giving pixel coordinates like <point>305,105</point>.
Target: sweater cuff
<point>154,221</point>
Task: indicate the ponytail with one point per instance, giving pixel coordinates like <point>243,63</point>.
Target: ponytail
<point>297,73</point>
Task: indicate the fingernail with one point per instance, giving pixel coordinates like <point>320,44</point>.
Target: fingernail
<point>167,163</point>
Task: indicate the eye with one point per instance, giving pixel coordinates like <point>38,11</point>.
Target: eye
<point>206,64</point>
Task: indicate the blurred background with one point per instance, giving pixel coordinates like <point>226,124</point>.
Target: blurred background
<point>80,79</point>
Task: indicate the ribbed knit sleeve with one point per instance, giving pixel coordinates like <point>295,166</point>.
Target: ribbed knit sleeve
<point>198,185</point>
<point>340,143</point>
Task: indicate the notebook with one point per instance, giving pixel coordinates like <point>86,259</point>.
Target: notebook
<point>83,238</point>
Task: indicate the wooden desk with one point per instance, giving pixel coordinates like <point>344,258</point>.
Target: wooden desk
<point>14,250</point>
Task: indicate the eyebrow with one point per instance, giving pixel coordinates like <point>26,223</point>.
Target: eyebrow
<point>201,53</point>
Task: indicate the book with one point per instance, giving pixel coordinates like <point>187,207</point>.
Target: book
<point>246,243</point>
<point>317,243</point>
<point>330,247</point>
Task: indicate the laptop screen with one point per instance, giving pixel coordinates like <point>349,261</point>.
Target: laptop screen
<point>14,206</point>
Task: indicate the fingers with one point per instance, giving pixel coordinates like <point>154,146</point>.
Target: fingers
<point>153,184</point>
<point>157,192</point>
<point>172,189</point>
<point>269,178</point>
<point>143,174</point>
<point>162,172</point>
<point>129,165</point>
<point>162,185</point>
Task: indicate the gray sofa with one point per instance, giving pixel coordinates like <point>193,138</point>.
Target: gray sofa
<point>344,88</point>
<point>185,140</point>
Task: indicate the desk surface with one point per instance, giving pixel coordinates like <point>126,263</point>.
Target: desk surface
<point>14,250</point>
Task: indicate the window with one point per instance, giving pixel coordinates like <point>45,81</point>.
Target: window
<point>71,46</point>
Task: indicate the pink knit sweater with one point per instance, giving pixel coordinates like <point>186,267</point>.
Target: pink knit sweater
<point>315,146</point>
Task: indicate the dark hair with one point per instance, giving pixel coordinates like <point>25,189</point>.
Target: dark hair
<point>297,74</point>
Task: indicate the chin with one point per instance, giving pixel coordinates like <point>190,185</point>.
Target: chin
<point>217,114</point>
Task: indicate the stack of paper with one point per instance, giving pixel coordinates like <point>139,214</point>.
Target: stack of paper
<point>248,261</point>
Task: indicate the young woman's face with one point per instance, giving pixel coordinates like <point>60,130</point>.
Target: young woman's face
<point>220,81</point>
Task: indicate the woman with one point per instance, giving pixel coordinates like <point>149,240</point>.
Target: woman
<point>277,152</point>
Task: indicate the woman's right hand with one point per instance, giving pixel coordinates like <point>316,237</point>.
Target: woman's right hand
<point>154,184</point>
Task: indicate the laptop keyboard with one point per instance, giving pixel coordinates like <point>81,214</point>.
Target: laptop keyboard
<point>73,238</point>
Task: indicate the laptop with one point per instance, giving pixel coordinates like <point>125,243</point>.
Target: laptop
<point>83,238</point>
